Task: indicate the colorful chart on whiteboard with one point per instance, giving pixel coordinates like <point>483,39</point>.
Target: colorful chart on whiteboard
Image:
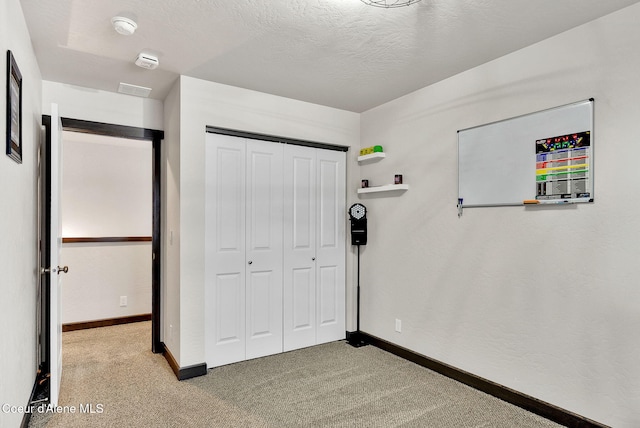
<point>563,167</point>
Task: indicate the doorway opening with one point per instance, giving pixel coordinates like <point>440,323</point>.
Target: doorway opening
<point>106,224</point>
<point>44,302</point>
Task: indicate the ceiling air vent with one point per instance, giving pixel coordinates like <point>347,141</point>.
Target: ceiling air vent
<point>138,91</point>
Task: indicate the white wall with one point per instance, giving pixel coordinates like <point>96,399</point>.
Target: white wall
<point>77,102</point>
<point>171,223</point>
<point>544,301</point>
<point>18,224</point>
<point>99,273</point>
<point>106,192</point>
<point>204,103</point>
<point>106,187</point>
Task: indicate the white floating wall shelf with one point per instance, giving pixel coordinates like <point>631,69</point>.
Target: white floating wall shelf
<point>372,156</point>
<point>385,188</point>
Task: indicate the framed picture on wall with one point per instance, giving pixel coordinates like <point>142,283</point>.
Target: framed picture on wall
<point>14,109</point>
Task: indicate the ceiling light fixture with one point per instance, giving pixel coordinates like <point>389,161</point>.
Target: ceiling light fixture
<point>124,26</point>
<point>387,4</point>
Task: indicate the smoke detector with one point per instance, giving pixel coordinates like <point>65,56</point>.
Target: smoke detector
<point>147,61</point>
<point>124,26</point>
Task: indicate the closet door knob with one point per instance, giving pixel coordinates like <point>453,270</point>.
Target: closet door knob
<point>250,262</point>
<point>313,259</point>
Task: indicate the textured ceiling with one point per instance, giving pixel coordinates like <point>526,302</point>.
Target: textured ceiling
<point>338,53</point>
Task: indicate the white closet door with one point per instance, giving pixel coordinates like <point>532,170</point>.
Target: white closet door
<point>330,253</point>
<point>275,220</point>
<point>225,262</point>
<point>264,224</point>
<point>299,247</point>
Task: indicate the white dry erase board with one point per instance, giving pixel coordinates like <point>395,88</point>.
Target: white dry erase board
<point>541,158</point>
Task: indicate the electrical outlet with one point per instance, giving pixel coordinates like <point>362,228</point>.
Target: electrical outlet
<point>398,325</point>
<point>123,300</point>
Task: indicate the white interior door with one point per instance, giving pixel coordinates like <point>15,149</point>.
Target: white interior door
<point>55,230</point>
<point>264,248</point>
<point>330,252</point>
<point>299,247</point>
<point>225,249</point>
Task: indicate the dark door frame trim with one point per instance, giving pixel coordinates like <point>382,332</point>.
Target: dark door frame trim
<point>156,137</point>
<point>276,139</point>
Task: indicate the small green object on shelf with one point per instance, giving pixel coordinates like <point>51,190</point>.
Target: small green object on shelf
<point>377,149</point>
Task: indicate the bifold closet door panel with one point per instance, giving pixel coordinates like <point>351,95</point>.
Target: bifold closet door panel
<point>264,223</point>
<point>225,250</point>
<point>300,212</point>
<point>330,253</point>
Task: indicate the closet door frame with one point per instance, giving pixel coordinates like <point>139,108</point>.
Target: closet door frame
<point>276,139</point>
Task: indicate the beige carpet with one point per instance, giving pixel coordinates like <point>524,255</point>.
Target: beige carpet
<point>332,385</point>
